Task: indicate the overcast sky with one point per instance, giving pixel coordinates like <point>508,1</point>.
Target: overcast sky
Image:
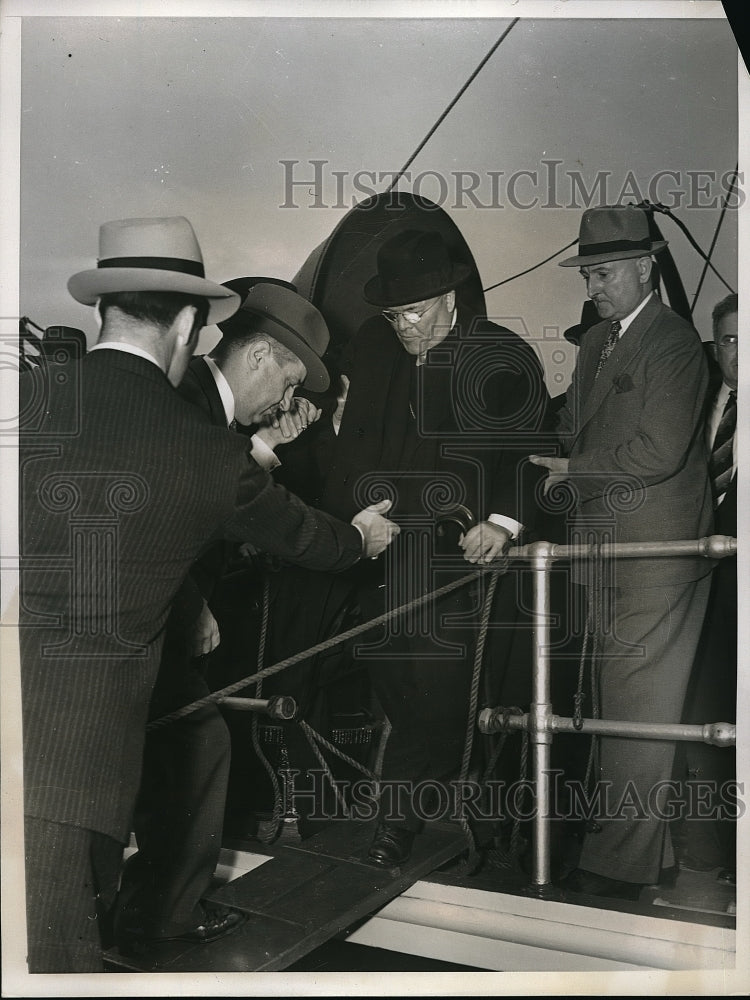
<point>128,116</point>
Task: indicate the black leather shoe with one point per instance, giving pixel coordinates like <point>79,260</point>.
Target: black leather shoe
<point>217,923</point>
<point>391,846</point>
<point>590,884</point>
<point>727,876</point>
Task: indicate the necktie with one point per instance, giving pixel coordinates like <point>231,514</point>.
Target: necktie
<point>722,451</point>
<point>609,345</point>
<point>233,425</point>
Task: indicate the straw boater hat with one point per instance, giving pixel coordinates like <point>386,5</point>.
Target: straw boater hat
<point>613,232</point>
<point>272,306</point>
<point>413,266</point>
<point>151,255</point>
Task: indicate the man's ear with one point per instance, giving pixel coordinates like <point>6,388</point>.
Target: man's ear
<point>450,300</point>
<point>258,354</point>
<point>185,328</point>
<point>645,265</point>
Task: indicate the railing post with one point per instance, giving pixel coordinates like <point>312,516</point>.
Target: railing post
<point>540,730</point>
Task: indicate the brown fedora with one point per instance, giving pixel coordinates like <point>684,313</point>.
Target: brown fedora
<point>613,232</point>
<point>413,266</point>
<point>152,255</point>
<point>271,306</point>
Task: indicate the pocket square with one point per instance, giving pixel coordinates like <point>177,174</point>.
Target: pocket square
<point>623,383</point>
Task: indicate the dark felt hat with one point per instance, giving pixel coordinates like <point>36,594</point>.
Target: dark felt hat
<point>273,306</point>
<point>613,232</point>
<point>413,266</point>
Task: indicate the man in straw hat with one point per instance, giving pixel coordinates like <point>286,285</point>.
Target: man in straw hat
<point>636,463</point>
<point>180,810</point>
<point>122,484</point>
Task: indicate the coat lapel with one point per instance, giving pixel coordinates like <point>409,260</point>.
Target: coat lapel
<point>622,357</point>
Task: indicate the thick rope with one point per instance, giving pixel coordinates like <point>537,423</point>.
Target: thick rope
<point>471,862</point>
<point>311,735</point>
<point>306,654</point>
<point>316,737</point>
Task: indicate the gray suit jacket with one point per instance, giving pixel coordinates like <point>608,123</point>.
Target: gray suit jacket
<point>634,438</point>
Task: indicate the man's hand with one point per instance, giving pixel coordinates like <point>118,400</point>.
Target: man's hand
<point>203,636</point>
<point>558,469</point>
<point>378,531</point>
<point>285,427</point>
<point>485,542</point>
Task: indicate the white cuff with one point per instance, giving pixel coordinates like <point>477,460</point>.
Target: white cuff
<point>514,527</point>
<point>263,454</point>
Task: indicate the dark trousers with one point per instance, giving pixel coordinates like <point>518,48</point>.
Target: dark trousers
<point>421,670</point>
<point>71,880</point>
<point>179,814</point>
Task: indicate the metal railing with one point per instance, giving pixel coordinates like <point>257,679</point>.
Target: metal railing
<point>541,723</point>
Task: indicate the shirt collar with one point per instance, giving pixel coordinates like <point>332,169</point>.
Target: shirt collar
<point>225,390</point>
<point>625,323</point>
<point>120,345</point>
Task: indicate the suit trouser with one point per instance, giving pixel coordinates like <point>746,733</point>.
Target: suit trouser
<point>71,879</point>
<point>179,814</point>
<point>646,661</point>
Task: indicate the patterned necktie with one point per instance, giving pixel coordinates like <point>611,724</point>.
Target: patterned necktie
<point>609,345</point>
<point>721,462</point>
<point>233,425</point>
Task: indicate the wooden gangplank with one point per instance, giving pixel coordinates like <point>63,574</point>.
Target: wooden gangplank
<point>304,895</point>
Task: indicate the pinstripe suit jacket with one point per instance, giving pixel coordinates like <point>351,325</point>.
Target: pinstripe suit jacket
<point>122,484</point>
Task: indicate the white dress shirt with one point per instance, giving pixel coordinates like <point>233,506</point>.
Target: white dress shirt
<point>261,452</point>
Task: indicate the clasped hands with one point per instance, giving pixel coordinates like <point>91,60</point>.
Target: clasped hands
<point>287,425</point>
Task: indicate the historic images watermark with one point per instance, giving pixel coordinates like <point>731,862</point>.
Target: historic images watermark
<point>314,183</point>
<point>500,801</point>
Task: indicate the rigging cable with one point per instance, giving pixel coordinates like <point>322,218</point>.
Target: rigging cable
<point>666,211</point>
<point>452,104</point>
<point>716,236</point>
<point>530,269</point>
<point>647,206</point>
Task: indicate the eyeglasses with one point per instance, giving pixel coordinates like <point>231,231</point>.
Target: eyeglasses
<point>411,316</point>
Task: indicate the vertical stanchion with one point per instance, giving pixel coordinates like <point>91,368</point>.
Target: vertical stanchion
<point>540,731</point>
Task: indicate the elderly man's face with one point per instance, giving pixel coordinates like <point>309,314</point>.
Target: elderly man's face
<point>421,325</point>
<point>618,286</point>
<point>726,348</point>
